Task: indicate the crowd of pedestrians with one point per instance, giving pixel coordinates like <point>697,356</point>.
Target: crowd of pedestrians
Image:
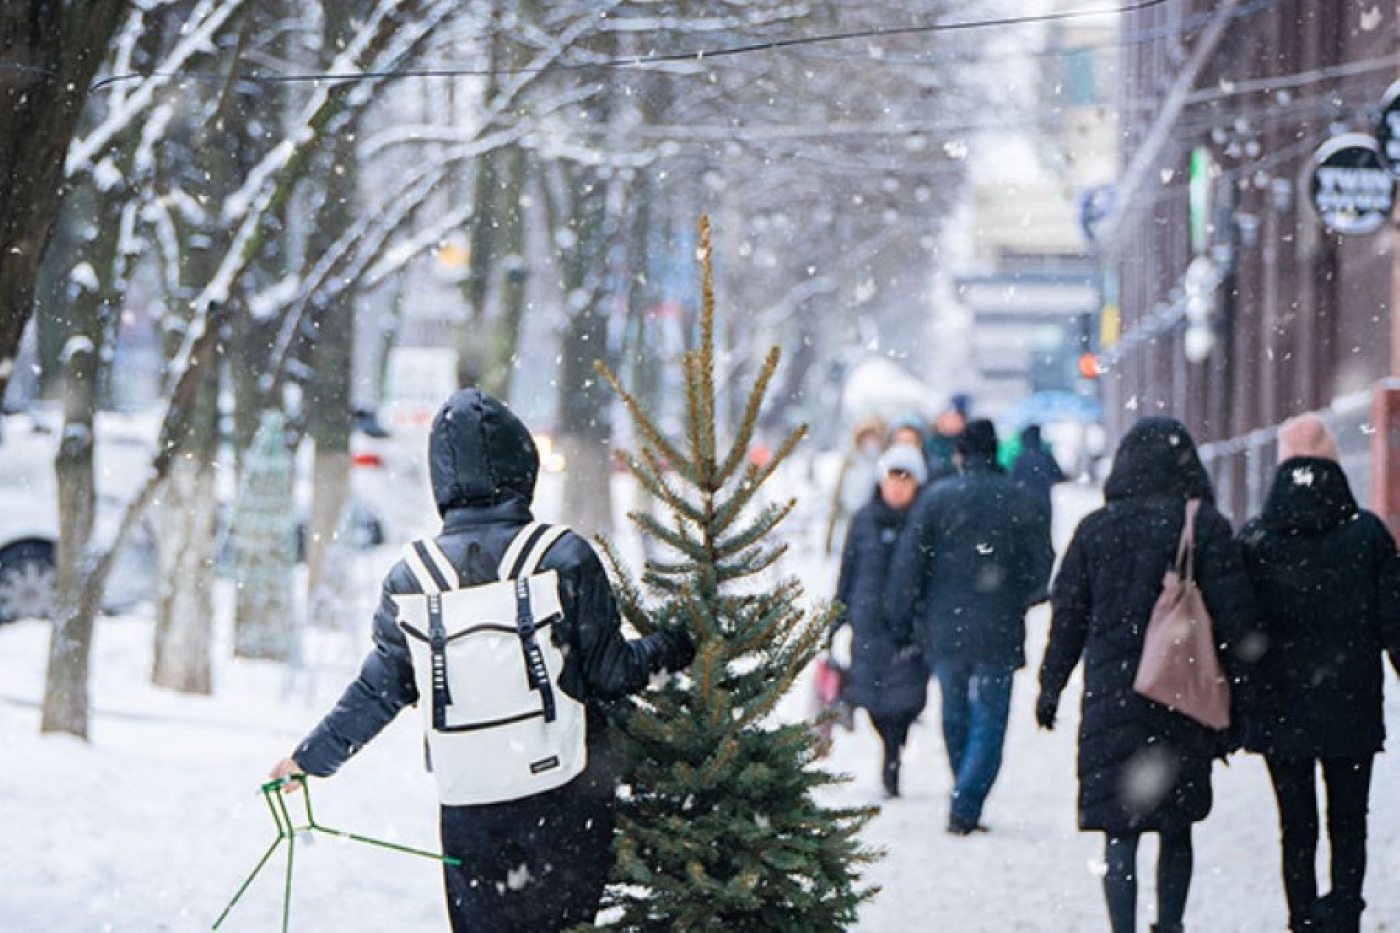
<point>942,562</point>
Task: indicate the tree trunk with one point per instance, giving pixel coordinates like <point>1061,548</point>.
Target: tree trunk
<point>584,428</point>
<point>515,273</point>
<point>472,351</point>
<point>328,416</point>
<point>327,528</point>
<point>185,608</point>
<point>75,608</point>
<point>51,51</point>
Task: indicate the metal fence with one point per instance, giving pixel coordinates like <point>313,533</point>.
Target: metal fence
<point>1242,468</point>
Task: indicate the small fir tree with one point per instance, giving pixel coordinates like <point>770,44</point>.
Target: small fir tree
<point>720,829</point>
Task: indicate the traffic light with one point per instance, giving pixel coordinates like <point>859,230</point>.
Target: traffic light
<point>1088,365</point>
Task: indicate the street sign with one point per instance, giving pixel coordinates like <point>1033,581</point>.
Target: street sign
<point>1388,128</point>
<point>1352,190</point>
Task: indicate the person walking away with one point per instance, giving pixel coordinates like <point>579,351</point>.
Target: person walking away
<point>1142,767</point>
<point>538,862</point>
<point>857,479</point>
<point>1324,575</point>
<point>889,684</point>
<point>940,444</point>
<point>974,555</point>
<point>1035,468</point>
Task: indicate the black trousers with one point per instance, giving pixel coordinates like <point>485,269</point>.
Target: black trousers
<point>1348,785</point>
<point>535,864</point>
<point>1175,858</point>
<point>893,732</point>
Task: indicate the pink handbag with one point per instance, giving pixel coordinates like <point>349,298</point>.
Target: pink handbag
<point>1180,667</point>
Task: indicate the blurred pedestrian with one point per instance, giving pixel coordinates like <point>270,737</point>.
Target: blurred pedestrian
<point>1324,574</point>
<point>973,557</point>
<point>855,483</point>
<point>890,684</point>
<point>1035,468</point>
<point>911,430</point>
<point>536,862</point>
<point>1142,767</point>
<point>940,444</point>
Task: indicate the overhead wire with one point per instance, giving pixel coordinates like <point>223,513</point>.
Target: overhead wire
<point>648,60</point>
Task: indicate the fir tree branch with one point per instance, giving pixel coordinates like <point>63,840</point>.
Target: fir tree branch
<point>653,479</point>
<point>749,423</point>
<point>755,476</point>
<point>640,420</point>
<point>768,519</point>
<point>674,538</point>
<point>758,561</point>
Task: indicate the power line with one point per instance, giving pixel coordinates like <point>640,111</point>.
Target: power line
<point>643,61</point>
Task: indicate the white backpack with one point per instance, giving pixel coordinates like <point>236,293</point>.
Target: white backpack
<point>499,727</point>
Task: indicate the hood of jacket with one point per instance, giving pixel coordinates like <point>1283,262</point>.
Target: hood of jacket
<point>1158,458</point>
<point>480,454</point>
<point>1310,496</point>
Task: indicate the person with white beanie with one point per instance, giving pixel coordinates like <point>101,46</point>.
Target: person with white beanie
<point>889,684</point>
<point>1327,586</point>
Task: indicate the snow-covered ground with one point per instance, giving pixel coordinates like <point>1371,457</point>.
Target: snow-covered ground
<point>155,823</point>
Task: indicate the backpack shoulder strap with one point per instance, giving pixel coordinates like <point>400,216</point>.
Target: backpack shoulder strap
<point>528,549</point>
<point>541,545</point>
<point>430,567</point>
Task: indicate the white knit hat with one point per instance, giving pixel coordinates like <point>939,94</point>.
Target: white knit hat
<point>905,457</point>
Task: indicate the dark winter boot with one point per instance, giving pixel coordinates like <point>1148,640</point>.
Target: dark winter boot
<point>1167,928</point>
<point>891,777</point>
<point>1338,913</point>
<point>1305,921</point>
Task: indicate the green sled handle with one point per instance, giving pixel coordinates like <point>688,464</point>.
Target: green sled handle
<point>287,830</point>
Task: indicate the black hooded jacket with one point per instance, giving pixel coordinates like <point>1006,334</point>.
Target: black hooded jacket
<point>974,555</point>
<point>883,680</point>
<point>483,463</point>
<point>1102,599</point>
<point>1324,573</point>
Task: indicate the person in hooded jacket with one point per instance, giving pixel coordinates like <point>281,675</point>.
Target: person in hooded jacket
<point>1324,574</point>
<point>1142,767</point>
<point>889,684</point>
<point>539,862</point>
<point>973,557</point>
<point>1035,469</point>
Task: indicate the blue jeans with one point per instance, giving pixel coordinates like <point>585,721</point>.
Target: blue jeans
<point>976,704</point>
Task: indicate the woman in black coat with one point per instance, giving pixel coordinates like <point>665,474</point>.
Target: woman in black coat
<point>1142,767</point>
<point>1324,573</point>
<point>889,684</point>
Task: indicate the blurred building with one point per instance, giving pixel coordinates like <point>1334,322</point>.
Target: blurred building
<point>1230,304</point>
<point>1030,283</point>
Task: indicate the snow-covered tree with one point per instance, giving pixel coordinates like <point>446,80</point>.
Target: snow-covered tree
<point>719,827</point>
<point>209,241</point>
<point>49,52</point>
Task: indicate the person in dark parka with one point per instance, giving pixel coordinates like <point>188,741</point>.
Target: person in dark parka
<point>1324,573</point>
<point>1142,767</point>
<point>540,862</point>
<point>889,684</point>
<point>1035,468</point>
<point>973,557</point>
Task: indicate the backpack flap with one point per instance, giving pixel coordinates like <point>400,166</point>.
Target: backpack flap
<point>480,634</point>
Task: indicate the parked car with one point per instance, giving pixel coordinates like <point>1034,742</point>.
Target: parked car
<point>29,515</point>
<point>29,506</point>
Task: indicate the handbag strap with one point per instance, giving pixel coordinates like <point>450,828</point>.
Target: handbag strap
<point>1185,549</point>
